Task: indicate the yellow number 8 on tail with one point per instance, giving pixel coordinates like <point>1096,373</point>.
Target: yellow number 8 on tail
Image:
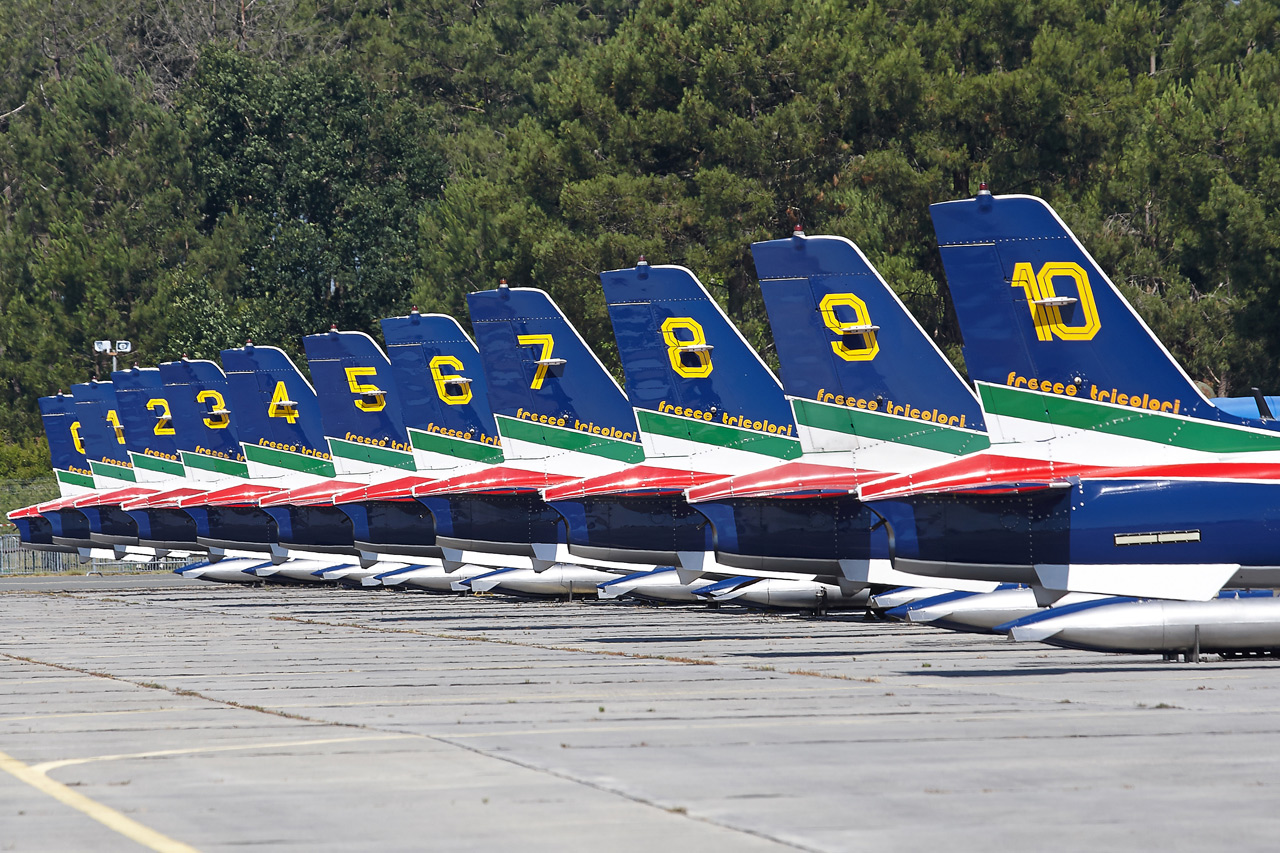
<point>695,348</point>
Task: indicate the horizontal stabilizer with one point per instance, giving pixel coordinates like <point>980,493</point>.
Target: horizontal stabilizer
<point>979,472</point>
<point>495,479</point>
<point>790,480</point>
<point>118,496</point>
<point>246,494</point>
<point>634,480</point>
<point>162,500</point>
<point>398,489</point>
<point>316,494</point>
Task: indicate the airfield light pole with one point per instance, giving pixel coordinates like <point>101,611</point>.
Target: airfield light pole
<point>120,348</point>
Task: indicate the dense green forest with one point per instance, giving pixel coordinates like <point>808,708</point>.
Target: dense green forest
<point>188,175</point>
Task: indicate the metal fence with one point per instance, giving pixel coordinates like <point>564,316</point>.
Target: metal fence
<point>18,561</point>
<point>15,493</point>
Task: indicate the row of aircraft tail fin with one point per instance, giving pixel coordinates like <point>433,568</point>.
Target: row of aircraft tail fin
<point>1068,383</point>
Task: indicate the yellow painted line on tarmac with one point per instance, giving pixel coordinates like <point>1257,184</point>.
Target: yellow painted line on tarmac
<point>105,815</point>
<point>36,776</point>
<point>47,766</point>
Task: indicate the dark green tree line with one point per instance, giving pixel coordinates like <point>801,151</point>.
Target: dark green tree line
<point>189,178</point>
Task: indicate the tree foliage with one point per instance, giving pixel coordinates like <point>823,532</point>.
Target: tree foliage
<point>186,176</point>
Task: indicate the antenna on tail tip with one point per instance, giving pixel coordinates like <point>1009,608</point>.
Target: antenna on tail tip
<point>984,196</point>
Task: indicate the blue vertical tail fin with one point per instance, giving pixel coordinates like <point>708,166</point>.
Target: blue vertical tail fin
<point>277,414</point>
<point>550,394</point>
<point>206,437</point>
<point>444,398</point>
<point>359,402</point>
<point>862,373</point>
<point>146,413</point>
<point>67,452</point>
<point>1052,343</point>
<point>698,387</point>
<point>102,433</point>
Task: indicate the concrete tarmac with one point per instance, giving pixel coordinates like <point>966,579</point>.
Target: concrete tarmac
<point>154,712</point>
